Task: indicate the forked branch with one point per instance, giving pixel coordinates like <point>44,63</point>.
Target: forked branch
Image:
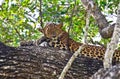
<point>113,44</point>
<point>105,29</point>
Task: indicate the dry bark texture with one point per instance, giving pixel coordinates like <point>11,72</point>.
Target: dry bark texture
<point>32,62</point>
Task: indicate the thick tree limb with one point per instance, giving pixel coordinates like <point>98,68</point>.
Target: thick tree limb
<point>105,29</point>
<point>113,43</point>
<point>34,62</point>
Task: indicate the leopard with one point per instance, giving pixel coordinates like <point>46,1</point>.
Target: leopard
<point>56,37</point>
<point>60,38</point>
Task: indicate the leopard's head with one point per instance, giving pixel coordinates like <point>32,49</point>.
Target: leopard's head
<point>51,29</point>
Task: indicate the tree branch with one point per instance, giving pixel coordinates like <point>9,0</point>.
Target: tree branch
<point>105,29</point>
<point>113,44</point>
<point>43,63</point>
<point>74,56</point>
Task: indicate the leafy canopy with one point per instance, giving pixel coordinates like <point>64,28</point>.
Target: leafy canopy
<point>18,18</point>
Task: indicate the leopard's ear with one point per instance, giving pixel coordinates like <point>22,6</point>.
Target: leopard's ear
<point>60,25</point>
<point>41,30</point>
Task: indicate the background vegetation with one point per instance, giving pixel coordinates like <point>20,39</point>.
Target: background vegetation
<point>19,18</point>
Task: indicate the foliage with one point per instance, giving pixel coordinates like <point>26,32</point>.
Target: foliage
<point>18,18</point>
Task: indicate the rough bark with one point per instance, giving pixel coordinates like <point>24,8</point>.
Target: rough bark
<point>111,73</point>
<point>32,62</point>
<point>105,29</point>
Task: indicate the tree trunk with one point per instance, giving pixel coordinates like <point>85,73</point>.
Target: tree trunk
<point>33,62</point>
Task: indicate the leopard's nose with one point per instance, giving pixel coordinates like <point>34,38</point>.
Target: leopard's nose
<point>53,36</point>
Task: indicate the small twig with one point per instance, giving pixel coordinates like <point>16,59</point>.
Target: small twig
<point>41,22</point>
<point>68,65</point>
<point>87,26</point>
<point>71,22</point>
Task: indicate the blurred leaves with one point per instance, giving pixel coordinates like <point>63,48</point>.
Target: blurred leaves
<point>18,18</point>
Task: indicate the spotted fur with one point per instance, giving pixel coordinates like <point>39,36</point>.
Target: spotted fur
<point>60,39</point>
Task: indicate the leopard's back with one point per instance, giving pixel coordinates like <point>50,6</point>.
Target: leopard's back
<point>64,42</point>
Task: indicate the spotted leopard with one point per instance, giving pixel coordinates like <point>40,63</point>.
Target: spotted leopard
<point>52,30</point>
